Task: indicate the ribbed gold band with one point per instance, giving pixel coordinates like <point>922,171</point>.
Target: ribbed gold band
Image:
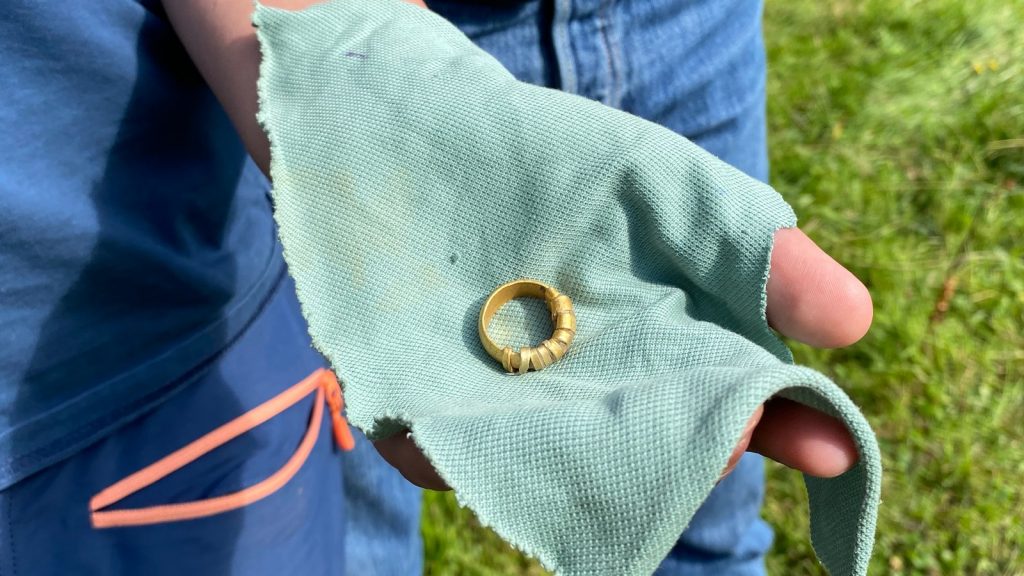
<point>530,358</point>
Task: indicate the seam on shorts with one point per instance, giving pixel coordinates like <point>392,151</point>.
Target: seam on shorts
<point>565,58</point>
<point>10,533</point>
<point>616,80</point>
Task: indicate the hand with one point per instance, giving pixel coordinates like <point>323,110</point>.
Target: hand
<point>811,298</point>
<point>220,39</point>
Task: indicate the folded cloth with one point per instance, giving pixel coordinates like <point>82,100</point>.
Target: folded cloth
<point>413,175</point>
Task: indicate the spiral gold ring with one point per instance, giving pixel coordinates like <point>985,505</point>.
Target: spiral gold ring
<point>547,352</point>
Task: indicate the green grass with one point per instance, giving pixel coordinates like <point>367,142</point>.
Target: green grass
<point>897,133</point>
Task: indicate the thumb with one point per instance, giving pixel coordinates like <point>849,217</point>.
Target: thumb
<point>803,438</point>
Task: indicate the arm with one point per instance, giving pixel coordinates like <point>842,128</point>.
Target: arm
<point>219,37</point>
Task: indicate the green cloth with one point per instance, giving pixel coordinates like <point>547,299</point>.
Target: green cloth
<point>413,175</point>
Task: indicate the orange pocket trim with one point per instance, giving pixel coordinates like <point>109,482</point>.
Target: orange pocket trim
<point>322,382</point>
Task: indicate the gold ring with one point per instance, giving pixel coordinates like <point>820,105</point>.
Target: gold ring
<point>562,316</point>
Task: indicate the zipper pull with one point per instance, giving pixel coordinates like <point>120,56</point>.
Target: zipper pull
<point>335,401</point>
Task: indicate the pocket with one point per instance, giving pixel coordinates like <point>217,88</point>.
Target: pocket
<point>321,382</point>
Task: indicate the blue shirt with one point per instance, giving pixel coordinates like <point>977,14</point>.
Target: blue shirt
<point>136,236</point>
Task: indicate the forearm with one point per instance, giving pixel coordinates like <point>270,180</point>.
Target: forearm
<point>219,37</point>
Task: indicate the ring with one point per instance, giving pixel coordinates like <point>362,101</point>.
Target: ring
<point>547,352</point>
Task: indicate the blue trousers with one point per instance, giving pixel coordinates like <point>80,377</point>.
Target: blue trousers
<point>698,68</point>
<point>695,66</point>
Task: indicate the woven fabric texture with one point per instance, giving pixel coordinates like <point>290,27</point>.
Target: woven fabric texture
<point>413,175</point>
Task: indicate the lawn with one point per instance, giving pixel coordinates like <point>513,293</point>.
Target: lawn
<point>897,134</point>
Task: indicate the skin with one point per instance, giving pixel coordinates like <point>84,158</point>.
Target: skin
<point>811,297</point>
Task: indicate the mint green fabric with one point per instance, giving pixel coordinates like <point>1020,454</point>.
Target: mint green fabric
<point>413,175</point>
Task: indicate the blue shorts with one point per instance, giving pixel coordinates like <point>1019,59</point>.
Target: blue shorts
<point>341,513</point>
<point>695,66</point>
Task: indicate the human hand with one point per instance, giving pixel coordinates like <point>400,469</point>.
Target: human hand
<point>413,174</point>
<point>811,298</point>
